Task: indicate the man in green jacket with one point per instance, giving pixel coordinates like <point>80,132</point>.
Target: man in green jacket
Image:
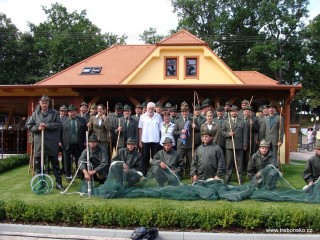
<point>167,164</point>
<point>208,160</point>
<point>126,164</point>
<point>262,158</point>
<point>98,158</point>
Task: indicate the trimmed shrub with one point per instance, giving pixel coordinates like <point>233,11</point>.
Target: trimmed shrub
<point>13,161</point>
<point>163,216</point>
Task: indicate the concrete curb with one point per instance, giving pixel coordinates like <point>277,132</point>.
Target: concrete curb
<point>91,233</point>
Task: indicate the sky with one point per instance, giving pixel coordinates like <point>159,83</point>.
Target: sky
<point>130,17</point>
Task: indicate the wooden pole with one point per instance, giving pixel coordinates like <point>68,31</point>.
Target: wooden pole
<point>31,159</point>
<point>234,151</point>
<point>279,139</point>
<point>193,119</point>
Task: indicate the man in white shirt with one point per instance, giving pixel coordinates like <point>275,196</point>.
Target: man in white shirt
<point>149,135</point>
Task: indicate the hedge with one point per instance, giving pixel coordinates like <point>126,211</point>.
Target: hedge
<point>162,216</point>
<point>13,161</point>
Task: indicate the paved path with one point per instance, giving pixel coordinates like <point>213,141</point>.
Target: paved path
<point>27,232</point>
<point>302,155</point>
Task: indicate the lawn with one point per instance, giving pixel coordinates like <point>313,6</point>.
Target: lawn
<point>22,205</point>
<point>17,186</point>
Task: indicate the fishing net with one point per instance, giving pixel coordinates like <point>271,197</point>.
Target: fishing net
<point>269,185</point>
<point>41,184</point>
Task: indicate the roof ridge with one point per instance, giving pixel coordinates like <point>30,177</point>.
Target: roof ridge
<point>175,39</point>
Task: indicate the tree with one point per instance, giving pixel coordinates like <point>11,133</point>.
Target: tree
<point>67,38</point>
<point>310,70</point>
<point>9,37</point>
<point>259,35</point>
<point>150,36</point>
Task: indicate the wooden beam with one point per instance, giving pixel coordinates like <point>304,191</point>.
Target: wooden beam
<point>287,130</point>
<point>133,100</point>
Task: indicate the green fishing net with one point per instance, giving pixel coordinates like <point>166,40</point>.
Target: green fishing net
<point>269,185</point>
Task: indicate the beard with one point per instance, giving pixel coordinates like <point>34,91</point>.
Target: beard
<point>150,114</point>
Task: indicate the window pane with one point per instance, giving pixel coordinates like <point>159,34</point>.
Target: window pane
<point>171,68</point>
<point>191,66</point>
<point>191,61</point>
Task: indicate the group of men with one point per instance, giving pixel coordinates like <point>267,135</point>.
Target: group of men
<point>207,149</point>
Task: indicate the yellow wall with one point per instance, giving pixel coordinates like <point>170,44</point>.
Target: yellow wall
<point>211,69</point>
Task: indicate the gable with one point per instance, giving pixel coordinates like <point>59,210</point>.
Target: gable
<point>211,69</point>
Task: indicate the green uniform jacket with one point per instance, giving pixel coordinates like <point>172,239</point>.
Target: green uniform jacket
<point>241,133</point>
<point>98,158</point>
<point>51,133</point>
<point>208,162</point>
<point>258,162</point>
<point>132,159</point>
<point>312,169</point>
<point>172,159</point>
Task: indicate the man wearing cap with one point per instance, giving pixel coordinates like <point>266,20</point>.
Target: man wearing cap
<point>173,114</point>
<point>311,171</point>
<point>149,135</point>
<point>205,106</point>
<point>126,164</point>
<point>158,107</point>
<point>144,107</point>
<point>244,104</point>
<point>184,130</point>
<point>99,161</point>
<point>73,139</point>
<point>252,124</point>
<point>271,128</point>
<point>200,120</point>
<point>260,118</point>
<point>93,110</point>
<point>219,121</point>
<point>138,112</point>
<point>47,120</point>
<point>63,113</point>
<point>114,121</point>
<point>208,160</point>
<point>227,108</point>
<point>165,162</point>
<point>128,127</point>
<point>265,110</point>
<point>84,111</point>
<point>260,159</point>
<point>236,135</point>
<point>168,106</point>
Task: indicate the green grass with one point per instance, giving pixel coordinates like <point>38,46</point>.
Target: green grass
<point>17,186</point>
<point>23,206</point>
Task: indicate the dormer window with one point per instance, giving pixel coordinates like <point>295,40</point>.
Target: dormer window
<point>191,67</point>
<point>91,70</point>
<point>171,67</point>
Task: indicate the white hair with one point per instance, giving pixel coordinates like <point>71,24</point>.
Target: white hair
<point>151,104</point>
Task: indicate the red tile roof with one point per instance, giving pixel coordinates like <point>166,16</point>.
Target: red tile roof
<point>254,78</point>
<point>117,63</point>
<point>182,37</point>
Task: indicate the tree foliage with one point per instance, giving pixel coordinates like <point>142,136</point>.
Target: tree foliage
<point>67,38</point>
<point>55,44</point>
<point>310,70</point>
<point>259,35</point>
<point>150,36</point>
<point>9,36</point>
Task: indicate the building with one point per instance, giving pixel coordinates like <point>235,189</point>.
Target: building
<point>171,70</point>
